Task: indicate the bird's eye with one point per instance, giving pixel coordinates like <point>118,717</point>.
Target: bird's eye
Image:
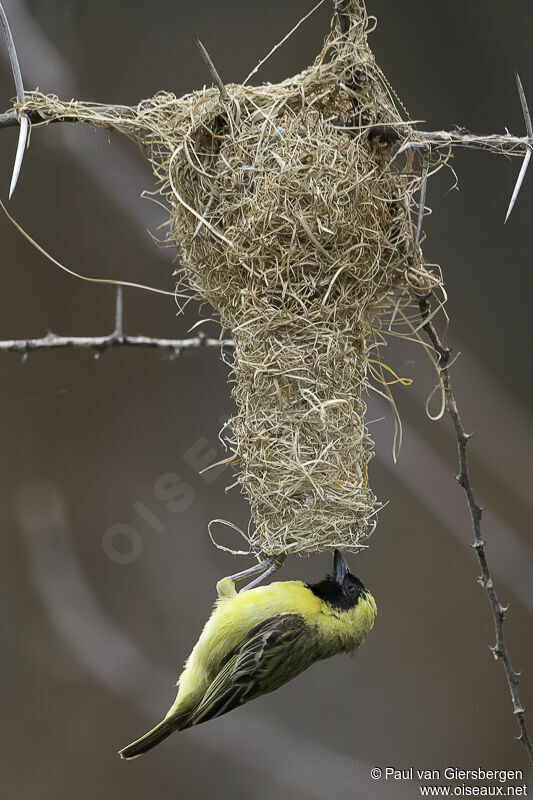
<point>353,590</point>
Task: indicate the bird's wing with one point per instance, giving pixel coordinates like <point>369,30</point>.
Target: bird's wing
<point>272,653</point>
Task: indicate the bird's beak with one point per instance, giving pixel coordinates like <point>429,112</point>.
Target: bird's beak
<point>340,567</point>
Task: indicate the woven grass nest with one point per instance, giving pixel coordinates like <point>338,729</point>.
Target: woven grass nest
<point>292,219</point>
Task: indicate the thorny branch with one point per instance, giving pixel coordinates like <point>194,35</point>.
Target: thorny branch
<point>500,649</point>
<point>116,339</point>
<point>100,343</point>
<point>500,144</point>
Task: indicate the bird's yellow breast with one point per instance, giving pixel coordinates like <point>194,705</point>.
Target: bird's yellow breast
<point>235,615</point>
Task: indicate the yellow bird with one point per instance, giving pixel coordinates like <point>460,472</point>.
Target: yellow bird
<point>260,638</point>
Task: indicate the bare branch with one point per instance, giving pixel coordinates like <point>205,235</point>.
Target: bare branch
<point>101,343</point>
<point>500,649</point>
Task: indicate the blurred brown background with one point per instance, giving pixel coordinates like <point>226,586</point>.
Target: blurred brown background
<point>91,645</point>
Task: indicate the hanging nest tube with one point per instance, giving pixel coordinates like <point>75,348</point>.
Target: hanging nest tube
<point>293,222</point>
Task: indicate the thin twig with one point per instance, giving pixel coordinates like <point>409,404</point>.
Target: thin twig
<point>100,343</point>
<point>281,42</point>
<point>500,649</point>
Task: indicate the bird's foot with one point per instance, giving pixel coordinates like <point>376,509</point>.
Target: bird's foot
<point>265,567</point>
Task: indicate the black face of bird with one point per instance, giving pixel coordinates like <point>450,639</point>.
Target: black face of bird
<point>351,586</point>
<point>342,589</point>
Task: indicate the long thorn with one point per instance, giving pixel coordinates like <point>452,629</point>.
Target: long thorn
<point>19,155</point>
<point>519,182</point>
<point>212,69</point>
<point>200,224</point>
<point>527,157</point>
<point>408,146</point>
<point>119,313</point>
<point>21,97</point>
<point>15,66</point>
<point>423,188</point>
<point>525,109</point>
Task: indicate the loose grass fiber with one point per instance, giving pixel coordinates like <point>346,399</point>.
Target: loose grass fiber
<point>293,221</point>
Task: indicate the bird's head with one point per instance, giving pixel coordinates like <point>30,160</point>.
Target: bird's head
<point>346,600</point>
<point>342,590</point>
<point>347,584</point>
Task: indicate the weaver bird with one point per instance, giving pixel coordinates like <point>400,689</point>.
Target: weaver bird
<point>260,638</point>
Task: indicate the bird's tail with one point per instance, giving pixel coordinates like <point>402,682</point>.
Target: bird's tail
<point>175,723</point>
